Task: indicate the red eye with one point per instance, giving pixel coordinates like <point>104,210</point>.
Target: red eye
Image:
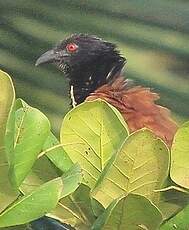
<point>72,47</point>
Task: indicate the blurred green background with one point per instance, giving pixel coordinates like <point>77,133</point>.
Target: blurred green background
<point>152,34</point>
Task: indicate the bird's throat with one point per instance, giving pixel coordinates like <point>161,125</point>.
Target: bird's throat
<point>83,83</point>
<point>79,91</point>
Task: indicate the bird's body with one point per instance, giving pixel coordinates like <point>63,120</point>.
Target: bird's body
<point>138,108</point>
<point>93,67</point>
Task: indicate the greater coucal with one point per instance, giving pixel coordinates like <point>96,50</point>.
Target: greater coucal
<point>93,67</point>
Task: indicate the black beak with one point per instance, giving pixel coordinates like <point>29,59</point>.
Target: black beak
<point>48,57</point>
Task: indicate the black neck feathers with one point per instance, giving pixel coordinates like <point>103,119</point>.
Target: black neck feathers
<point>86,80</point>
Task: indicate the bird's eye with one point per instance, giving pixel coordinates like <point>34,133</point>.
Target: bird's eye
<point>72,47</point>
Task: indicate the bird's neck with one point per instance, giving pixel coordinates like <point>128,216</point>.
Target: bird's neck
<point>83,83</point>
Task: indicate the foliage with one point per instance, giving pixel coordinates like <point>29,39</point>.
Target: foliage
<point>180,157</point>
<point>153,36</point>
<point>99,176</point>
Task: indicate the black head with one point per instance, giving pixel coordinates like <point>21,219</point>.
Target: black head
<point>88,61</point>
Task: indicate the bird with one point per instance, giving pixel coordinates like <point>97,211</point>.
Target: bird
<point>94,68</point>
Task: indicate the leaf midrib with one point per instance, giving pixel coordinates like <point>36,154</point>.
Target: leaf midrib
<point>25,110</point>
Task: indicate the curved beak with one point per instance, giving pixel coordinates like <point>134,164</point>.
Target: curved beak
<point>48,57</point>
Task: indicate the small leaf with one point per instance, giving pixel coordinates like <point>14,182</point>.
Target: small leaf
<point>75,209</point>
<point>172,200</point>
<point>140,167</point>
<point>42,171</point>
<point>180,221</point>
<point>32,129</point>
<point>132,212</point>
<point>34,205</point>
<point>56,153</point>
<point>7,97</point>
<point>91,133</point>
<point>20,104</point>
<point>71,180</point>
<point>179,171</point>
<point>97,207</point>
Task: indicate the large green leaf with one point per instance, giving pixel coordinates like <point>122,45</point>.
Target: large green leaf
<point>132,212</point>
<point>180,221</point>
<point>32,129</point>
<point>90,134</point>
<point>140,167</point>
<point>7,97</point>
<point>33,205</point>
<point>179,171</point>
<point>75,209</point>
<point>56,153</point>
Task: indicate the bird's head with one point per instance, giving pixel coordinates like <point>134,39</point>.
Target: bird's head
<point>86,60</point>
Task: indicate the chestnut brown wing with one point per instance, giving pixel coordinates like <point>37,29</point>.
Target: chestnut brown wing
<point>137,105</point>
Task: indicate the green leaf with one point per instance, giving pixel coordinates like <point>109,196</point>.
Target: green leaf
<point>20,227</point>
<point>172,199</point>
<point>20,103</point>
<point>10,132</point>
<point>33,205</point>
<point>32,129</point>
<point>10,128</point>
<point>42,171</point>
<point>179,171</point>
<point>71,180</point>
<point>132,212</point>
<point>141,166</point>
<point>91,133</point>
<point>180,221</point>
<point>75,209</point>
<point>7,97</point>
<point>97,207</point>
<point>56,153</point>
